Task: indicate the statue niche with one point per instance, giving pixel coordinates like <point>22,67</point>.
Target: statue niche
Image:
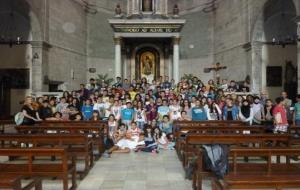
<point>147,5</point>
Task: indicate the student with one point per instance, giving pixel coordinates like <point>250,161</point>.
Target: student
<point>127,114</point>
<point>166,126</point>
<point>140,115</point>
<point>258,111</point>
<point>87,110</point>
<point>269,119</point>
<point>150,144</point>
<point>116,110</point>
<point>174,110</point>
<point>128,142</point>
<point>30,114</point>
<point>280,117</point>
<point>162,140</point>
<point>184,116</point>
<point>95,116</point>
<point>215,112</point>
<point>57,116</point>
<point>230,111</point>
<point>296,117</point>
<point>163,110</point>
<point>100,107</point>
<point>112,125</point>
<point>45,110</point>
<point>198,112</point>
<point>246,112</point>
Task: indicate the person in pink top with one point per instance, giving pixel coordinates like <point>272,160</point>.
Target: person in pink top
<point>280,119</point>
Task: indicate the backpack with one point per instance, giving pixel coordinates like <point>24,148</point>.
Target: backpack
<point>19,118</point>
<point>216,159</point>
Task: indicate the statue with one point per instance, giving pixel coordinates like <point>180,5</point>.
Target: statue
<point>175,11</point>
<point>147,5</point>
<point>118,10</point>
<point>147,66</point>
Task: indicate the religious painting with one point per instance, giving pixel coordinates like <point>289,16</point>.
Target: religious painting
<point>274,76</point>
<point>147,65</point>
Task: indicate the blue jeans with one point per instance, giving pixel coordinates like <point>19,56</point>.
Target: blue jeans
<point>297,122</point>
<point>140,125</point>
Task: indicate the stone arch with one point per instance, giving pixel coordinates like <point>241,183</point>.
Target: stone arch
<point>259,48</point>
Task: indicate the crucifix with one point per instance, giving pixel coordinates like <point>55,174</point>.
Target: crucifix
<point>216,68</point>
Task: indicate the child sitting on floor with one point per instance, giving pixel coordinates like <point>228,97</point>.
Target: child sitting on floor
<point>162,140</point>
<point>150,144</point>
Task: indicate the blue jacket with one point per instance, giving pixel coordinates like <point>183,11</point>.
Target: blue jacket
<point>235,112</point>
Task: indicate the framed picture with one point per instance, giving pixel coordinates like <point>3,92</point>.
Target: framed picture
<point>274,76</point>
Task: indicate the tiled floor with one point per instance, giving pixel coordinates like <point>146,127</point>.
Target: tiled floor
<point>137,171</point>
<point>133,171</point>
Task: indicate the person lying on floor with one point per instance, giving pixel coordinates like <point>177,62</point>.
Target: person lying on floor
<point>126,140</point>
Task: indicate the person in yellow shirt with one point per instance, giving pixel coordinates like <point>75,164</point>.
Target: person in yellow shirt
<point>132,93</point>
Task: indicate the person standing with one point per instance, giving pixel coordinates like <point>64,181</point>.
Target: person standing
<point>296,118</point>
<point>280,117</point>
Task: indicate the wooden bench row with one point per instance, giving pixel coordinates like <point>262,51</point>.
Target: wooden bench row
<point>64,167</point>
<point>190,138</point>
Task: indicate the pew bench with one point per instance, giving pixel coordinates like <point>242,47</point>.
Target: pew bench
<point>14,183</point>
<point>28,167</point>
<point>181,134</point>
<point>263,175</point>
<point>79,146</point>
<point>193,143</point>
<point>95,133</point>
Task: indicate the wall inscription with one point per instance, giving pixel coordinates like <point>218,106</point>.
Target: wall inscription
<point>150,29</point>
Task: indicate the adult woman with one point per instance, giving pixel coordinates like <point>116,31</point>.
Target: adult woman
<point>30,114</point>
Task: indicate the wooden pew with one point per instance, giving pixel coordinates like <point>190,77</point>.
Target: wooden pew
<point>194,142</point>
<point>14,183</point>
<point>213,130</point>
<point>95,132</point>
<point>177,124</point>
<point>265,174</point>
<point>77,145</point>
<point>30,168</point>
<point>4,123</point>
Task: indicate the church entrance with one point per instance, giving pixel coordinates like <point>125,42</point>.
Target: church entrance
<point>147,64</point>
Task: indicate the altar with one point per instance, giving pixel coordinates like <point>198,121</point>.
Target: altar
<point>147,40</point>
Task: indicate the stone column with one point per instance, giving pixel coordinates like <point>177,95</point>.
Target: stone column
<point>118,65</point>
<point>256,68</point>
<point>38,66</point>
<point>176,41</point>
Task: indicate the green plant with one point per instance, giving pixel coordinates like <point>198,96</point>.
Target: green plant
<point>104,78</point>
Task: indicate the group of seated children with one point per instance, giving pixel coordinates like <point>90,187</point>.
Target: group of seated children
<point>124,138</point>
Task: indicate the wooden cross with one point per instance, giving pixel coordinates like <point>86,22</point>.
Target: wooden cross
<point>216,68</point>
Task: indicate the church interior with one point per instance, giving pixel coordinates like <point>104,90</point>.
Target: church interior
<point>143,94</point>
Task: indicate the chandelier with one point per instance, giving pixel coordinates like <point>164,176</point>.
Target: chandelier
<point>9,31</point>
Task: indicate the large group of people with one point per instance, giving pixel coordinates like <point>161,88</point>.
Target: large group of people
<point>135,109</point>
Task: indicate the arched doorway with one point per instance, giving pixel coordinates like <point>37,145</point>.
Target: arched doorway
<point>275,23</point>
<point>147,63</point>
